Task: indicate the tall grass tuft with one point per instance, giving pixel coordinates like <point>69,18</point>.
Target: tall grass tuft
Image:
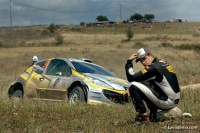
<point>195,47</point>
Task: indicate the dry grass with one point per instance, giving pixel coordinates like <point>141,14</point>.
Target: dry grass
<point>37,116</point>
<point>106,47</point>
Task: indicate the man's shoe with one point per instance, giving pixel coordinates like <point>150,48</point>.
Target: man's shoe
<point>141,119</point>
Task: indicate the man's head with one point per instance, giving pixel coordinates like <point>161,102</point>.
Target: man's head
<point>145,56</point>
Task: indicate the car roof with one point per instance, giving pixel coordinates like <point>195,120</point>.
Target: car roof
<point>80,60</point>
<point>70,59</point>
<point>83,60</point>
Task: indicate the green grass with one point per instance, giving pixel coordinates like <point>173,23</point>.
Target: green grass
<point>39,116</point>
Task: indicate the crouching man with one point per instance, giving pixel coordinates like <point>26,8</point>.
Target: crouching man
<point>156,84</point>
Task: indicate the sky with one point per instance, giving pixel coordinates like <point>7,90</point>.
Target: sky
<point>40,12</point>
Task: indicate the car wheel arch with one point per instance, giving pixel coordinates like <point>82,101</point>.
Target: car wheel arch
<point>80,84</point>
<point>15,87</point>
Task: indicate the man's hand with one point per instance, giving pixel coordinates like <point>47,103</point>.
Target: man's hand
<point>132,57</point>
<point>126,94</point>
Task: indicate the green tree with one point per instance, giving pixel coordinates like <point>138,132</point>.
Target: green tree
<point>149,16</point>
<point>129,34</point>
<point>82,23</point>
<point>101,18</point>
<point>136,16</point>
<point>52,27</point>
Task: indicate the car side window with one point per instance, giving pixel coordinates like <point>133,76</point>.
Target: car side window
<point>58,67</point>
<point>38,67</point>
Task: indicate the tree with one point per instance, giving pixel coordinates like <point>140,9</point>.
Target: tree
<point>101,18</point>
<point>129,34</point>
<point>82,24</point>
<point>136,16</point>
<point>149,16</point>
<point>52,28</point>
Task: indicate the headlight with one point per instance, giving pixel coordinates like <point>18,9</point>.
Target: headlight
<point>99,82</point>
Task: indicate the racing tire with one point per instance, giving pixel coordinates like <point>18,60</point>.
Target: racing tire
<point>77,95</point>
<point>17,94</point>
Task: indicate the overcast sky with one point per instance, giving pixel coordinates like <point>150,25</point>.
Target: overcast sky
<point>36,12</point>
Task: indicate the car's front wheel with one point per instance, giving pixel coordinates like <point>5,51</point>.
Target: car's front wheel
<point>77,95</point>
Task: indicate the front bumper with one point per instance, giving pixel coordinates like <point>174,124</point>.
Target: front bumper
<point>115,97</point>
<point>106,96</point>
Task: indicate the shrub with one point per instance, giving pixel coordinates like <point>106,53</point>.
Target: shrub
<point>10,45</point>
<point>162,37</point>
<point>129,34</point>
<point>22,44</point>
<point>52,28</point>
<point>139,45</point>
<point>195,47</point>
<point>196,34</point>
<point>59,40</point>
<point>1,44</point>
<point>44,32</point>
<point>165,44</point>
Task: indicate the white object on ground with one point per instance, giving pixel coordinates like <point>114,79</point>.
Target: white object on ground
<point>169,114</point>
<point>187,115</point>
<point>193,86</point>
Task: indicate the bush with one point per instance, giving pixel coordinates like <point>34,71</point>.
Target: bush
<point>195,47</point>
<point>59,40</point>
<point>45,32</point>
<point>52,28</point>
<point>162,37</point>
<point>196,35</point>
<point>22,44</point>
<point>139,45</point>
<point>129,34</point>
<point>1,44</point>
<point>166,44</point>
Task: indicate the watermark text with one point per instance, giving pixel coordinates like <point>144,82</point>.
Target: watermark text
<point>180,127</point>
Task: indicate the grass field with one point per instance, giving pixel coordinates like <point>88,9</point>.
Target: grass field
<point>176,43</point>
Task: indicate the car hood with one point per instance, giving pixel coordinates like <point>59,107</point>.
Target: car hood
<point>116,83</point>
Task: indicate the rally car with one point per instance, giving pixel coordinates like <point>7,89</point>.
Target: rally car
<point>71,80</point>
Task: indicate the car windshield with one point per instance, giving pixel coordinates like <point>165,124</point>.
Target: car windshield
<point>91,68</point>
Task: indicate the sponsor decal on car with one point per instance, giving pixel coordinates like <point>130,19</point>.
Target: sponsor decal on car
<point>58,83</point>
<point>25,75</point>
<point>35,81</point>
<point>95,97</point>
<point>117,79</point>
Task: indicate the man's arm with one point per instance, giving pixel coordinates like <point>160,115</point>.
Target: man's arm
<point>129,70</point>
<point>143,75</point>
<point>129,66</point>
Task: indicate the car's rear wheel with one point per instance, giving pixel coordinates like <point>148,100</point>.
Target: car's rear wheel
<point>77,95</point>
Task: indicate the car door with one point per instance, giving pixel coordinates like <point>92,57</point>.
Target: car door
<point>58,73</point>
<point>35,81</point>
